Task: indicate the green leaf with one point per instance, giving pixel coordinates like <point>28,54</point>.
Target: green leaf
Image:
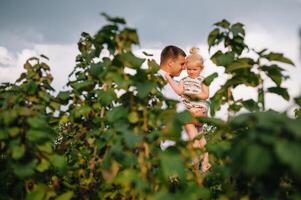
<point>3,134</point>
<point>23,170</point>
<point>38,193</point>
<point>46,147</point>
<point>147,54</point>
<point>45,96</point>
<point>106,97</point>
<point>297,112</point>
<point>219,149</point>
<point>153,66</point>
<point>274,72</point>
<point>278,57</point>
<point>222,59</point>
<point>289,153</point>
<point>18,151</point>
<point>83,110</point>
<point>23,111</point>
<point>83,85</point>
<point>208,80</point>
<point>131,140</point>
<point>117,20</point>
<point>144,88</point>
<point>129,177</point>
<point>37,123</point>
<point>235,107</point>
<point>43,165</point>
<point>31,87</point>
<point>193,192</point>
<point>241,63</point>
<point>65,196</point>
<point>133,117</point>
<point>258,160</point>
<point>280,91</point>
<point>130,36</point>
<point>212,37</point>
<point>130,60</point>
<point>298,100</point>
<point>97,69</point>
<point>224,24</point>
<point>237,29</point>
<point>294,127</point>
<point>251,105</point>
<point>43,56</point>
<point>116,114</point>
<point>164,195</point>
<point>36,135</point>
<point>261,98</point>
<point>249,79</point>
<point>58,161</point>
<point>183,117</point>
<point>9,116</point>
<point>14,131</point>
<point>64,96</point>
<point>172,164</point>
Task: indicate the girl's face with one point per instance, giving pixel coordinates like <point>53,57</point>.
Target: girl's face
<point>193,70</point>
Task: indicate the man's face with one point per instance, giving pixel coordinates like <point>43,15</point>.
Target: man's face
<point>178,65</point>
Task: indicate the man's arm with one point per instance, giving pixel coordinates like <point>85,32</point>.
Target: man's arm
<point>204,94</point>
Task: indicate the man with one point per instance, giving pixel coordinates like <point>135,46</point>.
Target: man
<point>172,62</point>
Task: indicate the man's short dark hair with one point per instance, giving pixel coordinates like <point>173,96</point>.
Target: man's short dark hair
<point>171,52</point>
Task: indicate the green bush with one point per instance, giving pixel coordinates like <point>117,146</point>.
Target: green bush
<point>100,139</point>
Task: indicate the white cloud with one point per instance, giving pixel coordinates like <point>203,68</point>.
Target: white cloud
<point>6,58</point>
<point>11,66</point>
<point>62,61</point>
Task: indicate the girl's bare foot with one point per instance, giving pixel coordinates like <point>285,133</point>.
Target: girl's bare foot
<point>205,166</point>
<point>205,163</point>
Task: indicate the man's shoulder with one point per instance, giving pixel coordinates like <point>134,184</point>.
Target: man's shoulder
<point>160,72</point>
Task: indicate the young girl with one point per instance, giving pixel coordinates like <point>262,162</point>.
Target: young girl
<point>194,94</point>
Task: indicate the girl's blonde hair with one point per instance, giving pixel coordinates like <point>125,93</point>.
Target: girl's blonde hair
<point>195,58</point>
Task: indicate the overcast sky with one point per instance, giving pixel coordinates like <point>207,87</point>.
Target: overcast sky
<point>33,27</point>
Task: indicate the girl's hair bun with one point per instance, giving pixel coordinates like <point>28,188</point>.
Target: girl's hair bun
<point>194,50</point>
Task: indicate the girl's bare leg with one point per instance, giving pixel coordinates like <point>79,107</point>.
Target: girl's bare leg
<point>192,133</point>
<point>205,163</point>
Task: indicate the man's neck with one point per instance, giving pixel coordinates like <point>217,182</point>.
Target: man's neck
<point>164,68</point>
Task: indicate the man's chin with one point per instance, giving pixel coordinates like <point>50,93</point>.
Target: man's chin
<point>176,75</point>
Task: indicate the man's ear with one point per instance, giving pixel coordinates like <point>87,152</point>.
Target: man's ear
<point>170,62</point>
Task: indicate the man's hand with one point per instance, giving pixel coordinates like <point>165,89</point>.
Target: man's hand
<point>191,96</point>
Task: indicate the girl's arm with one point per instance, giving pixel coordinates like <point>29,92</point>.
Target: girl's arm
<point>202,95</point>
<point>177,87</point>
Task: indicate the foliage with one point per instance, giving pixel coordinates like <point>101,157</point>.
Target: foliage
<point>255,154</point>
<point>242,70</point>
<point>100,139</point>
<point>27,120</point>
